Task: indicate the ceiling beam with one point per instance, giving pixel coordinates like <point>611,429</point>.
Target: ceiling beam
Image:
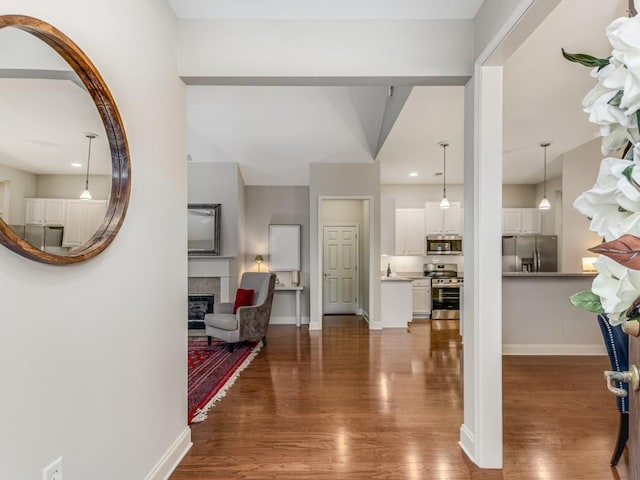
<point>396,99</point>
<point>326,81</point>
<point>42,74</point>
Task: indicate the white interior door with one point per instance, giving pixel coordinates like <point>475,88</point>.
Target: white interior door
<point>340,269</point>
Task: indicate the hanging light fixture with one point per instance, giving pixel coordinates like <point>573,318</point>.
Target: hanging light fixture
<point>444,203</point>
<point>86,194</point>
<point>544,203</point>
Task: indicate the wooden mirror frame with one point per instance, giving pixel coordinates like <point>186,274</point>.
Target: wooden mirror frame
<point>121,166</point>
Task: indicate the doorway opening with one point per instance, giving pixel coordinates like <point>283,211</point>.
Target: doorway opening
<point>344,258</point>
<point>5,199</point>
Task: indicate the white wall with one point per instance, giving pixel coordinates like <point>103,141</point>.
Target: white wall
<point>579,172</point>
<point>219,183</point>
<point>93,356</point>
<point>537,318</point>
<point>355,212</point>
<point>419,48</point>
<point>414,196</point>
<point>278,205</point>
<point>21,185</point>
<point>489,19</point>
<point>222,183</point>
<point>70,186</point>
<point>344,180</point>
<point>342,211</point>
<point>518,196</point>
<point>553,217</point>
<point>365,254</point>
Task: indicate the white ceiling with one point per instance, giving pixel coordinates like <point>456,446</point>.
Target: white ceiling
<point>543,92</point>
<point>46,113</point>
<point>274,132</point>
<point>430,115</point>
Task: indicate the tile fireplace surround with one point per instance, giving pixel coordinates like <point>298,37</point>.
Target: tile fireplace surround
<point>211,275</point>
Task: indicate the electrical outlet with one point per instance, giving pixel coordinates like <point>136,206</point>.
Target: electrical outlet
<point>53,471</point>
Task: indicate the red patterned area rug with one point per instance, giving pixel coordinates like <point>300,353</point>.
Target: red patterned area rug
<point>212,371</point>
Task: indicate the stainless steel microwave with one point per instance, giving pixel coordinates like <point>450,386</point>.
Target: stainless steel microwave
<point>444,245</point>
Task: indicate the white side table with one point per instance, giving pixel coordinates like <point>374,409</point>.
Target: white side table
<point>298,291</point>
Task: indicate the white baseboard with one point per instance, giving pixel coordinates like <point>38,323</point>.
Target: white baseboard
<point>288,320</point>
<point>553,349</point>
<point>467,442</point>
<point>172,457</point>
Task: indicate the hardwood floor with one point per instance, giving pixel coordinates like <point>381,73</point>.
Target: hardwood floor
<point>346,403</point>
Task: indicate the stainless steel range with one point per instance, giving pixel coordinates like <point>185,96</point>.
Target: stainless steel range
<point>445,290</point>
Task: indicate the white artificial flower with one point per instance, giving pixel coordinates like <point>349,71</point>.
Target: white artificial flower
<point>616,126</point>
<point>601,112</point>
<point>615,137</point>
<point>630,225</point>
<point>618,288</point>
<point>603,203</point>
<point>624,36</point>
<point>627,195</point>
<point>596,101</point>
<point>613,204</point>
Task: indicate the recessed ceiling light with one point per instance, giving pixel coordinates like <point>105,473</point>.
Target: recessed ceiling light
<point>413,174</point>
<point>76,165</point>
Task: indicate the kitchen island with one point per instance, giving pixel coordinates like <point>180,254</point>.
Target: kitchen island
<point>538,319</point>
<point>395,301</point>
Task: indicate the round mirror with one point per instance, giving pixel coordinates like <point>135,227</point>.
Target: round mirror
<point>64,159</point>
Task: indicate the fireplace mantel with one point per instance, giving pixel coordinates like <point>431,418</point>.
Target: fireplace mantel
<point>216,267</point>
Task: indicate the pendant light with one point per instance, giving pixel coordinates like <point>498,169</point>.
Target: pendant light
<point>86,194</point>
<point>544,203</point>
<point>444,203</point>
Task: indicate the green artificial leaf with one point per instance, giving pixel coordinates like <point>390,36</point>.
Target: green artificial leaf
<point>638,118</point>
<point>586,60</point>
<point>617,99</point>
<point>588,301</point>
<point>627,172</point>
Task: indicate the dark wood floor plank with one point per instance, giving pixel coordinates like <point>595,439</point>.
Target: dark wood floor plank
<point>346,403</point>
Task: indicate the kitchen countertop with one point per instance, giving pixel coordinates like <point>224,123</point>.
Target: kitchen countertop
<point>548,274</point>
<point>417,275</point>
<point>395,279</point>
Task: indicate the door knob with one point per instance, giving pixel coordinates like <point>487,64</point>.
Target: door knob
<point>631,327</point>
<point>632,377</point>
<point>326,275</point>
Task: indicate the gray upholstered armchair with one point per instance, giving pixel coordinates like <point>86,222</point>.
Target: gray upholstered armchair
<point>248,323</point>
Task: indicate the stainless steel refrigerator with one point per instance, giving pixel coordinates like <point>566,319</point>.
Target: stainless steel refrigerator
<point>46,238</point>
<point>530,253</point>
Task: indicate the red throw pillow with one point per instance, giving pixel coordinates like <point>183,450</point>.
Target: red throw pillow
<point>244,298</point>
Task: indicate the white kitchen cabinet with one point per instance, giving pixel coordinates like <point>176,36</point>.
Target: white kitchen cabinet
<point>531,220</point>
<point>82,219</point>
<point>410,236</point>
<point>441,221</point>
<point>421,295</point>
<point>521,221</point>
<point>44,211</point>
<point>395,303</point>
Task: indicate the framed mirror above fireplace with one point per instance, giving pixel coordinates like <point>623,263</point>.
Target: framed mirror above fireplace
<point>204,229</point>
